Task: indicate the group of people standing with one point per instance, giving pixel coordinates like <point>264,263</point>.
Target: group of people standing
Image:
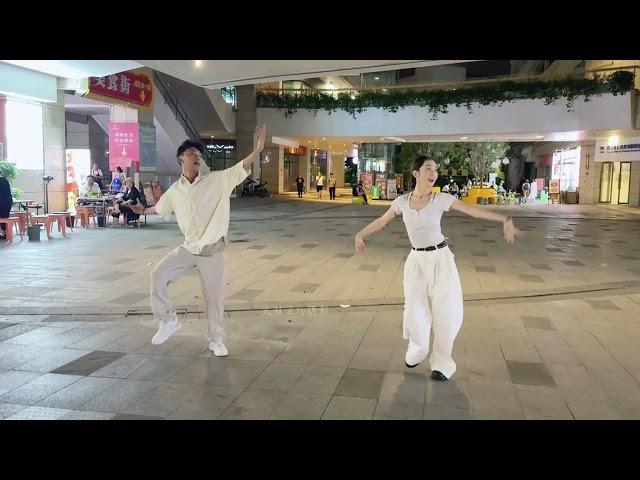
<point>319,181</point>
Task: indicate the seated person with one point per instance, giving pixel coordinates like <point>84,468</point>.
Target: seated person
<point>129,204</point>
<point>90,189</point>
<point>6,202</point>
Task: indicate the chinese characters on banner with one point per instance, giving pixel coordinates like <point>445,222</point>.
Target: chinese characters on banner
<point>130,87</point>
<point>124,144</point>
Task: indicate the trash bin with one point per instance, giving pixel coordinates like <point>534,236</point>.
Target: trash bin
<point>102,221</point>
<point>375,192</point>
<point>34,233</point>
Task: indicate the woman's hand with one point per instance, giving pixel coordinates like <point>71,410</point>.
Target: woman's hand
<point>511,233</point>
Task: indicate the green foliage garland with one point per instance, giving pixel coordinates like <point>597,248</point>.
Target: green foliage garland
<point>438,101</point>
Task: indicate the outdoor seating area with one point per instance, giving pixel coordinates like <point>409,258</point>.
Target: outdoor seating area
<point>29,218</point>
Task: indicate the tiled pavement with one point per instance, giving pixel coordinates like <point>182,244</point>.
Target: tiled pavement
<point>551,324</point>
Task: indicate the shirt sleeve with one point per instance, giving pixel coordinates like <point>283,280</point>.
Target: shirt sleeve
<point>234,175</point>
<point>164,207</point>
<point>397,205</point>
<point>446,201</point>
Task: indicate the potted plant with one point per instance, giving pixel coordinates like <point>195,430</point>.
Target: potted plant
<point>9,171</point>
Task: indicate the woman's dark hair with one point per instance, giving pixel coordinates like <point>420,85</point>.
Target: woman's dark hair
<point>5,188</point>
<point>119,169</point>
<point>417,165</point>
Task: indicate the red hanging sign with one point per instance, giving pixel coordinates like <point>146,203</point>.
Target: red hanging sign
<point>135,88</point>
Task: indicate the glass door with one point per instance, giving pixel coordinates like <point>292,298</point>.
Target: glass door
<point>606,178</point>
<point>625,178</point>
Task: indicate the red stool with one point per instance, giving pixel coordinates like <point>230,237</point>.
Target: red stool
<point>46,220</point>
<point>85,214</point>
<point>11,223</point>
<point>23,220</point>
<point>61,218</point>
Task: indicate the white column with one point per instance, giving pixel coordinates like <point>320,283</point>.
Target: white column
<point>54,145</point>
<point>588,189</point>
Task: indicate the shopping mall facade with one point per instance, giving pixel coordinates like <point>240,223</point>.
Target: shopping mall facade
<point>59,118</point>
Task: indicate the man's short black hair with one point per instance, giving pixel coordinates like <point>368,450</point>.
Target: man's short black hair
<point>188,144</point>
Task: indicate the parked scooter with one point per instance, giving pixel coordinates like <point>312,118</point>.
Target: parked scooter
<point>251,188</point>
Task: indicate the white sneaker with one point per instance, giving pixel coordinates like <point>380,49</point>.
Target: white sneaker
<point>218,348</point>
<point>415,355</point>
<point>165,330</point>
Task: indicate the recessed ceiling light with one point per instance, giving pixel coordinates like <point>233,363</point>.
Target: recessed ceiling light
<point>198,63</point>
<point>212,136</point>
<point>539,136</point>
<point>376,78</point>
<point>463,138</point>
<point>384,89</point>
<point>308,141</point>
<point>613,140</point>
<point>324,138</point>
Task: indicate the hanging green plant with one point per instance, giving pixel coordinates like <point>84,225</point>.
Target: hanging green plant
<point>438,101</point>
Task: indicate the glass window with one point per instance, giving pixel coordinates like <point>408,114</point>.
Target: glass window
<point>24,134</point>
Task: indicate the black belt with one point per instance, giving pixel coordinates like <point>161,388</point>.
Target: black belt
<point>428,249</point>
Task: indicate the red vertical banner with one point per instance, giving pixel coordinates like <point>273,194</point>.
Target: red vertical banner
<point>124,145</point>
<point>72,182</point>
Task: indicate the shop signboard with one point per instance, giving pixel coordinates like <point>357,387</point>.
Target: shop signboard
<point>400,182</point>
<point>627,150</point>
<point>554,186</point>
<point>367,180</point>
<point>132,88</point>
<point>301,150</point>
<point>382,183</point>
<point>147,146</point>
<point>392,193</point>
<point>540,182</point>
